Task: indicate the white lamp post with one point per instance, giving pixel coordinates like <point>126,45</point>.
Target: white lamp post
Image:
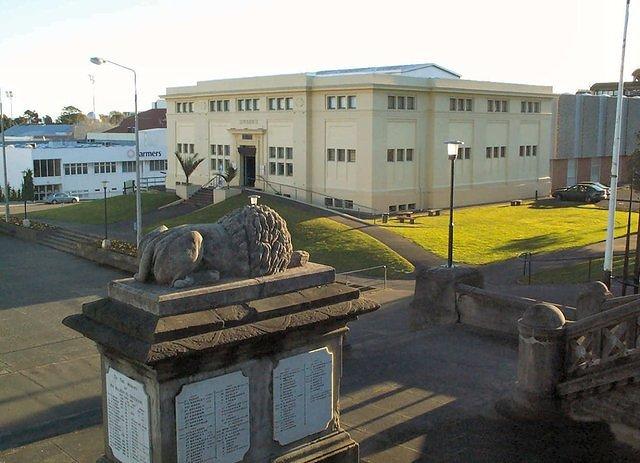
<point>253,199</point>
<point>99,61</point>
<point>452,152</point>
<point>105,242</point>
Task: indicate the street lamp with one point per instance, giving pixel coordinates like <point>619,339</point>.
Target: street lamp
<point>452,152</point>
<point>105,241</point>
<point>4,164</point>
<point>253,199</point>
<point>99,61</point>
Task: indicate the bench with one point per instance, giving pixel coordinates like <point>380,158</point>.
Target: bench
<point>516,202</point>
<point>411,219</point>
<point>433,212</point>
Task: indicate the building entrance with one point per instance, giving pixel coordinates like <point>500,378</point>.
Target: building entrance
<point>248,156</point>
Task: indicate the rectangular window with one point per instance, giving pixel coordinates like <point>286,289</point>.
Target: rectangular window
<point>468,104</point>
<point>289,169</point>
<point>351,155</point>
<point>348,204</point>
<point>400,154</point>
<point>411,103</point>
<point>212,105</point>
<point>452,104</point>
<point>503,151</point>
<point>328,202</point>
<point>521,150</point>
<point>523,106</point>
<point>529,106</point>
<point>341,157</point>
<point>190,107</point>
<point>226,105</point>
<point>156,165</point>
<point>342,102</point>
<point>351,102</point>
<point>460,154</point>
<point>213,164</point>
<point>338,203</point>
<point>460,104</point>
<point>400,102</point>
<point>534,150</point>
<point>288,103</point>
<point>411,206</point>
<point>331,154</point>
<point>222,105</point>
<point>402,207</point>
<point>280,104</point>
<point>489,150</point>
<point>391,155</point>
<point>496,151</point>
<point>536,107</point>
<point>490,106</point>
<point>528,150</point>
<point>391,102</point>
<point>67,169</point>
<point>498,106</point>
<point>256,104</point>
<point>281,168</point>
<point>392,208</point>
<point>467,153</point>
<point>272,152</point>
<point>409,154</point>
<point>272,168</point>
<point>272,104</point>
<point>289,152</point>
<point>505,106</point>
<point>178,107</point>
<point>240,105</point>
<point>280,152</point>
<point>331,102</point>
<point>227,150</point>
<point>247,136</point>
<point>128,166</point>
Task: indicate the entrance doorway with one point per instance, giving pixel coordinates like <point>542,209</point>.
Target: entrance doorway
<point>248,156</point>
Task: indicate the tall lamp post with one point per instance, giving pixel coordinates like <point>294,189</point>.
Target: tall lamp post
<point>452,152</point>
<point>99,61</point>
<point>105,241</point>
<point>4,164</point>
<point>25,222</point>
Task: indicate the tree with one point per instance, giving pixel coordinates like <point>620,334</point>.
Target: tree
<point>32,117</point>
<point>47,119</point>
<point>230,174</point>
<point>7,122</point>
<point>70,115</point>
<point>634,165</point>
<point>27,186</point>
<point>115,117</point>
<point>189,163</point>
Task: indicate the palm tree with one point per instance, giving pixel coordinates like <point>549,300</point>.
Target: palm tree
<point>189,163</point>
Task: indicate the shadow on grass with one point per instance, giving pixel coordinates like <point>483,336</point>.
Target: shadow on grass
<point>530,244</point>
<point>555,204</point>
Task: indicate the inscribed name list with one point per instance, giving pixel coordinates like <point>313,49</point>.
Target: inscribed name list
<point>128,418</point>
<point>212,420</point>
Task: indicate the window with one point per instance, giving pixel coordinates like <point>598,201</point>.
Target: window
<point>178,107</point>
<point>529,106</point>
<point>331,154</point>
<point>392,208</point>
<point>490,106</point>
<point>341,102</point>
<point>241,106</point>
<point>128,166</point>
<point>214,165</point>
<point>247,136</point>
<point>156,165</point>
<point>391,102</point>
<point>522,150</point>
<point>400,102</point>
<point>328,202</point>
<point>411,104</point>
<point>341,157</point>
<point>411,206</point>
<point>331,102</point>
<point>351,155</point>
<point>348,204</point>
<point>503,151</point>
<point>281,104</point>
<point>272,152</point>
<point>256,104</point>
<point>104,167</point>
<point>190,107</point>
<point>289,152</point>
<point>272,104</point>
<point>289,169</point>
<point>402,207</point>
<point>78,168</point>
<point>536,107</point>
<point>272,168</point>
<point>496,151</point>
<point>218,105</point>
<point>400,154</point>
<point>498,106</point>
<point>281,168</point>
<point>338,203</point>
<point>528,150</point>
<point>534,150</point>
<point>351,102</point>
<point>391,155</point>
<point>227,150</point>
<point>46,167</point>
<point>460,104</point>
<point>409,154</point>
<point>191,148</point>
<point>489,149</point>
<point>464,153</point>
<point>288,103</point>
<point>280,152</point>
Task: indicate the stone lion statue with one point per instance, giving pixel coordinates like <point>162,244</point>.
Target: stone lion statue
<point>248,242</point>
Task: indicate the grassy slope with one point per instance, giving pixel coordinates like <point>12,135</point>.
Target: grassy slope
<point>496,232</point>
<point>327,241</point>
<point>119,208</point>
<point>578,273</point>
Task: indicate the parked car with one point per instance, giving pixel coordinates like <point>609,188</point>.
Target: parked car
<point>581,192</point>
<point>55,198</point>
<point>598,185</point>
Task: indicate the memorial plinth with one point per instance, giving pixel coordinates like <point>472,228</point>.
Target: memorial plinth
<point>240,371</point>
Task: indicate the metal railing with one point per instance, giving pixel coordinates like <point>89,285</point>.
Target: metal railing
<point>369,283</point>
<point>306,195</point>
<point>216,182</point>
<point>529,258</point>
<point>147,182</point>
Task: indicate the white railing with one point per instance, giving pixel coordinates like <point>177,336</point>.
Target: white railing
<point>349,278</point>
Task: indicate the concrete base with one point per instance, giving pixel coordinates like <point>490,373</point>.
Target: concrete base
<point>334,448</point>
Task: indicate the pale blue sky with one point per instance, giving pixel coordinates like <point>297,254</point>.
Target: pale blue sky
<point>45,45</point>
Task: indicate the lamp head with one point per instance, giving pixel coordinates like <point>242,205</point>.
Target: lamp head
<point>98,61</point>
<point>104,183</point>
<point>253,199</point>
<point>452,148</point>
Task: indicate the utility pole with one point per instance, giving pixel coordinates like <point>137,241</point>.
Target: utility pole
<point>4,164</point>
<point>613,196</point>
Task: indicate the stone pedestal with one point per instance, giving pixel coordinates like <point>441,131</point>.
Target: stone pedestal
<point>242,371</point>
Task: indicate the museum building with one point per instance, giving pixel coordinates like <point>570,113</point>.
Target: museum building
<point>369,138</point>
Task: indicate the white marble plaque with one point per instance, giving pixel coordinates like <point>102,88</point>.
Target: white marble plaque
<point>128,418</point>
<point>212,420</point>
<point>302,395</point>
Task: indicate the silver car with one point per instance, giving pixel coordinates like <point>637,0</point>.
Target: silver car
<point>55,198</point>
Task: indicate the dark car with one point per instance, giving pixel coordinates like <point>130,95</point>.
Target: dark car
<point>581,192</point>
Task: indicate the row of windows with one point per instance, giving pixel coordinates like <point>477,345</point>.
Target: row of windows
<point>186,148</point>
<point>460,104</point>
<point>464,153</point>
<point>75,168</point>
<point>341,102</point>
<point>340,203</point>
<point>281,168</point>
<point>220,165</point>
<point>497,106</point>
<point>281,104</point>
<point>156,165</point>
<point>496,151</point>
<point>529,106</point>
<point>399,154</point>
<point>401,102</point>
<point>402,207</point>
<point>46,167</point>
<point>219,105</point>
<point>184,107</point>
<point>280,152</point>
<point>128,166</point>
<point>248,104</point>
<point>341,154</point>
<point>528,150</point>
<point>221,150</point>
<point>104,167</point>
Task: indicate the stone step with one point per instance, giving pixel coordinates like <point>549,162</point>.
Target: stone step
<point>59,243</point>
<point>619,405</point>
<point>77,236</point>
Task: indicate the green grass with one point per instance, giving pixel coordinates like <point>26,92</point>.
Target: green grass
<point>119,208</point>
<point>327,241</point>
<point>577,273</point>
<point>485,234</point>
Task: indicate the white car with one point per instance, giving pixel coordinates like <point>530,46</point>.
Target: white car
<point>55,198</point>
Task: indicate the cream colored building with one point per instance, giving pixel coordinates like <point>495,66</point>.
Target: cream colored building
<point>367,138</point>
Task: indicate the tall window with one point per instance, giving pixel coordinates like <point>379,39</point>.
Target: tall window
<point>341,102</point>
<point>460,104</point>
<point>128,166</point>
<point>46,167</point>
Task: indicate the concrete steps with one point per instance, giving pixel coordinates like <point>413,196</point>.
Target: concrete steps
<point>201,198</point>
<point>66,240</point>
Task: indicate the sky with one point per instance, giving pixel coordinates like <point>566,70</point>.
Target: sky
<point>45,45</point>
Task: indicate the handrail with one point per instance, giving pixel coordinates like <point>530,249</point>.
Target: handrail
<point>351,272</point>
<point>216,177</point>
<point>356,206</point>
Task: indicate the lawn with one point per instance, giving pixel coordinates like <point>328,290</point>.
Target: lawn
<point>327,241</point>
<point>119,208</point>
<point>485,234</point>
<point>577,272</point>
